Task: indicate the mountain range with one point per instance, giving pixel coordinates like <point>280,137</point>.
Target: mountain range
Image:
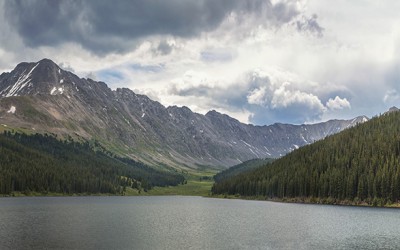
<point>42,97</point>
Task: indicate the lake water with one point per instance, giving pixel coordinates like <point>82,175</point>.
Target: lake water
<point>179,222</point>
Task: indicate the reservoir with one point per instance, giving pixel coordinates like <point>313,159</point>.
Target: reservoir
<point>185,222</point>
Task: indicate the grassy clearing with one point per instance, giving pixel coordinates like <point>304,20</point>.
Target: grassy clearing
<point>198,183</point>
<point>192,187</point>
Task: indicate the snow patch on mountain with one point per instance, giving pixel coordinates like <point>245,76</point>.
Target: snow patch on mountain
<point>53,90</point>
<point>12,110</point>
<point>248,145</point>
<point>302,137</point>
<point>22,81</point>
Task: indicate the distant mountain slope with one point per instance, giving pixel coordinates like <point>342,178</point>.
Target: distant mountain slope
<point>241,168</point>
<point>41,163</point>
<point>358,164</point>
<point>42,97</point>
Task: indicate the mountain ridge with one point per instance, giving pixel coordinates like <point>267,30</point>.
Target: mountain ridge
<point>45,98</point>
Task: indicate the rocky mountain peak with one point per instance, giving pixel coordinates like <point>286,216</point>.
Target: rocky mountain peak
<point>35,68</point>
<point>47,63</point>
<point>45,77</point>
<point>33,78</point>
<point>360,119</point>
<point>392,109</point>
<point>213,113</point>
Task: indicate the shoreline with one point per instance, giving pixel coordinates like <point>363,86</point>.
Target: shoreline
<point>311,201</point>
<point>299,200</point>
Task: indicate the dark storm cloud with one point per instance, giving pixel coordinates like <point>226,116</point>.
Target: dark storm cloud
<point>104,26</point>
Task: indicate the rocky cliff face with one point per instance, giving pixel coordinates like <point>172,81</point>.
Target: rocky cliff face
<point>44,98</point>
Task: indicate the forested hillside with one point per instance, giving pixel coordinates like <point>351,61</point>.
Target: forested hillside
<point>361,164</point>
<point>241,168</point>
<point>41,163</point>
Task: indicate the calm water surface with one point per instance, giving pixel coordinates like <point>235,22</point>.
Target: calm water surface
<point>178,222</point>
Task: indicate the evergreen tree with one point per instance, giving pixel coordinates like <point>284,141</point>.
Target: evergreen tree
<point>42,163</point>
<point>361,163</point>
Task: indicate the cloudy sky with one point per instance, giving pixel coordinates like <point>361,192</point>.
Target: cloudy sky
<point>260,61</point>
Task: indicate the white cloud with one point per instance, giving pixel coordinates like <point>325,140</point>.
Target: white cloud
<point>277,64</point>
<point>249,97</point>
<point>284,98</point>
<point>337,103</point>
<point>257,96</point>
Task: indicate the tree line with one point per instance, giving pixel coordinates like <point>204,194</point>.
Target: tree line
<point>360,164</point>
<point>42,163</point>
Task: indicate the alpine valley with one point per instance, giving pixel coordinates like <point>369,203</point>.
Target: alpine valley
<point>43,98</point>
